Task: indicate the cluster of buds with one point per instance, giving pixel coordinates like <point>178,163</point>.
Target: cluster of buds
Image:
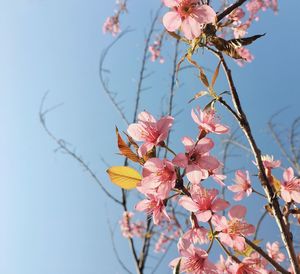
<point>112,23</point>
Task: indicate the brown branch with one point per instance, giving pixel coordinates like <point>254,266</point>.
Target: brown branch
<point>115,248</point>
<point>259,250</point>
<point>111,95</point>
<point>172,88</point>
<point>259,224</point>
<point>62,145</point>
<point>143,66</point>
<point>282,222</point>
<point>230,9</point>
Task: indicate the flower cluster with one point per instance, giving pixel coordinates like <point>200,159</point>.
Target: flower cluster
<point>112,23</point>
<point>177,182</point>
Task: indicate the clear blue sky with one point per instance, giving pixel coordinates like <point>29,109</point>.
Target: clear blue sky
<point>53,216</point>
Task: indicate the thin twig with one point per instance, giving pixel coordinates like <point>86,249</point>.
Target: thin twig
<point>112,236</point>
<point>259,250</point>
<point>62,145</point>
<point>108,92</point>
<point>230,9</point>
<point>259,224</point>
<point>282,222</point>
<point>172,88</point>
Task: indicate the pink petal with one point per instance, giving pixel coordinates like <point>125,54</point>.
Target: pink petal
<point>288,174</point>
<point>146,117</point>
<point>204,216</point>
<point>226,239</point>
<point>285,195</point>
<point>153,165</point>
<point>221,129</point>
<point>208,163</point>
<point>239,196</point>
<point>296,196</point>
<point>205,145</point>
<point>144,148</point>
<point>219,204</point>
<point>190,28</point>
<point>170,3</point>
<point>195,174</point>
<point>165,123</point>
<point>205,14</point>
<point>235,188</point>
<point>196,117</point>
<point>135,131</point>
<point>187,141</point>
<point>188,204</point>
<point>142,205</point>
<point>172,21</point>
<point>237,211</point>
<point>180,160</point>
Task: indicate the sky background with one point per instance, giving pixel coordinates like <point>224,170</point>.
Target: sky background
<point>53,216</point>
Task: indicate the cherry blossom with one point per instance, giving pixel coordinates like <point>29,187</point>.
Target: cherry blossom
<point>196,235</point>
<point>154,50</point>
<point>153,206</point>
<point>193,260</point>
<point>130,229</point>
<point>253,264</point>
<point>196,160</point>
<point>208,121</point>
<point>111,25</point>
<point>290,186</point>
<point>274,252</point>
<point>159,178</point>
<point>245,54</point>
<point>242,186</point>
<point>150,131</point>
<point>231,231</point>
<point>203,202</point>
<point>188,15</point>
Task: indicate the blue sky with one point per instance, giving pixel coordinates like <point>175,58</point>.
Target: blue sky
<point>54,217</point>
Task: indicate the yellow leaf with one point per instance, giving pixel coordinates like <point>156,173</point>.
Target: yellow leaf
<point>124,176</point>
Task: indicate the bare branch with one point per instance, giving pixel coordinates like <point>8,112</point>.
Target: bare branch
<point>62,145</point>
<point>112,236</point>
<point>111,95</point>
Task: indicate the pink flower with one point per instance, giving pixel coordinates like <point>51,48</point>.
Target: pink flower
<point>154,50</point>
<point>130,229</point>
<point>245,54</point>
<point>237,14</point>
<point>196,160</point>
<point>242,186</point>
<point>251,265</point>
<point>274,252</point>
<point>231,231</point>
<point>111,25</point>
<point>217,175</point>
<point>153,206</point>
<point>196,235</point>
<point>269,162</point>
<point>193,260</point>
<point>159,178</point>
<point>203,202</point>
<point>188,15</point>
<point>150,131</point>
<point>208,121</point>
<point>290,186</point>
<point>225,266</point>
<point>241,30</point>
